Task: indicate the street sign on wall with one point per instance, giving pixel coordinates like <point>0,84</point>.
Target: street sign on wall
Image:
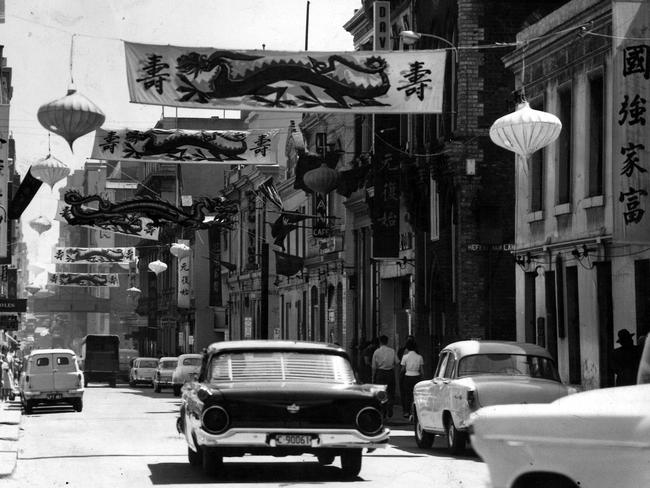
<point>13,305</point>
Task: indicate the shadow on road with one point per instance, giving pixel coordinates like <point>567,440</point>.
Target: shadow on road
<point>405,441</point>
<point>239,472</point>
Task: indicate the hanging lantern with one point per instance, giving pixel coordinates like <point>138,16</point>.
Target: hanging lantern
<point>32,288</point>
<point>134,290</point>
<point>49,170</point>
<point>525,130</point>
<point>71,116</point>
<point>322,179</point>
<point>180,250</point>
<point>44,293</point>
<point>157,267</point>
<point>40,224</point>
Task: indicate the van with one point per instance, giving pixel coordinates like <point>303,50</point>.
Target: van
<point>143,371</point>
<point>51,376</point>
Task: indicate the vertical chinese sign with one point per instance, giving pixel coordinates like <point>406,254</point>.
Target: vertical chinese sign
<point>4,181</point>
<point>184,279</point>
<point>214,239</point>
<point>630,133</point>
<point>385,210</point>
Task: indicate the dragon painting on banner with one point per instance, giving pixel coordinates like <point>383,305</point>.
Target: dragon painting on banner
<point>83,255</point>
<point>95,210</point>
<point>255,146</point>
<point>362,81</point>
<point>84,279</point>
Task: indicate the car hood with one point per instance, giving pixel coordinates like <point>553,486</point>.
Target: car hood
<point>499,390</point>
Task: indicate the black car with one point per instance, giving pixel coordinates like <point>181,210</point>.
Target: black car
<point>280,398</point>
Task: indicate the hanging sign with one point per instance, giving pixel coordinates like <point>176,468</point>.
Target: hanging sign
<point>94,255</point>
<point>363,81</point>
<point>127,225</point>
<point>184,278</point>
<point>630,133</point>
<point>84,279</point>
<point>256,146</point>
<point>4,181</point>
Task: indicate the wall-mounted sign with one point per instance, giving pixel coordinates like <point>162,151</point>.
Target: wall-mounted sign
<point>13,305</point>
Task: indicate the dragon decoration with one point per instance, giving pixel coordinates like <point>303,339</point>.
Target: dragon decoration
<point>82,255</point>
<point>84,279</point>
<point>93,210</point>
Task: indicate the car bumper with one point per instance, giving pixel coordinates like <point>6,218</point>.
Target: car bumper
<point>142,379</point>
<point>264,439</point>
<point>51,395</point>
<point>163,382</point>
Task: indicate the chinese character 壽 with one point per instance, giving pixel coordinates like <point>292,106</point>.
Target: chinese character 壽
<point>110,141</point>
<point>154,77</point>
<point>262,144</point>
<point>416,80</point>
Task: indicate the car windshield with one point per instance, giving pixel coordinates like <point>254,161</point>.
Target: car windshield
<point>148,364</point>
<point>281,366</point>
<point>168,364</point>
<point>192,362</point>
<point>508,364</point>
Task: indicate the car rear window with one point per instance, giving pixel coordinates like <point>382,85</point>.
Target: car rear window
<point>192,362</point>
<point>42,361</point>
<point>168,364</point>
<point>148,364</point>
<point>508,364</point>
<point>62,360</point>
<point>281,366</point>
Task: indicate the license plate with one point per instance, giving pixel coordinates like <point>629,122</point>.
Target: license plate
<point>293,440</point>
<point>53,396</point>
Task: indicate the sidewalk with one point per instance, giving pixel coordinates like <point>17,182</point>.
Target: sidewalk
<point>10,416</point>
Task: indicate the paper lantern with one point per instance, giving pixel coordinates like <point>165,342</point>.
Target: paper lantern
<point>134,290</point>
<point>40,224</point>
<point>525,130</point>
<point>157,267</point>
<point>322,179</point>
<point>32,288</point>
<point>180,250</point>
<point>71,116</point>
<point>44,293</point>
<point>49,170</point>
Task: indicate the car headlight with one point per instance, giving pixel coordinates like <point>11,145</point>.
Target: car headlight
<point>369,421</point>
<point>215,419</point>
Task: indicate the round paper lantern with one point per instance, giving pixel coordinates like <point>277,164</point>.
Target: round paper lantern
<point>40,224</point>
<point>180,250</point>
<point>32,288</point>
<point>71,116</point>
<point>134,290</point>
<point>322,179</point>
<point>49,170</point>
<point>525,130</point>
<point>157,267</point>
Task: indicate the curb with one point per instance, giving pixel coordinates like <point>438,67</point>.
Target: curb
<point>9,434</point>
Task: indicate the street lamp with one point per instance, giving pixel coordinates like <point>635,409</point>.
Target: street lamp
<point>411,37</point>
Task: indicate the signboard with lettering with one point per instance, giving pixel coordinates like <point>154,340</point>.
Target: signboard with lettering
<point>630,133</point>
<point>13,305</point>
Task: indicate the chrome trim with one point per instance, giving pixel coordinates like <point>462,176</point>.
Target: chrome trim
<point>225,426</point>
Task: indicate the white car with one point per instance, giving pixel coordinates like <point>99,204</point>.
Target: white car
<point>143,371</point>
<point>594,439</point>
<point>187,369</point>
<point>51,376</point>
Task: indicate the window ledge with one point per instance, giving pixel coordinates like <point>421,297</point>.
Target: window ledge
<point>535,216</point>
<point>595,201</point>
<point>562,209</point>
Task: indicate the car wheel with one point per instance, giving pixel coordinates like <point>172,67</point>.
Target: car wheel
<point>28,407</point>
<point>113,383</point>
<point>156,388</point>
<point>177,390</point>
<point>12,396</point>
<point>423,439</point>
<point>78,404</point>
<point>85,383</point>
<point>211,461</point>
<point>131,383</point>
<point>455,439</point>
<point>325,459</point>
<point>351,463</point>
<point>194,457</point>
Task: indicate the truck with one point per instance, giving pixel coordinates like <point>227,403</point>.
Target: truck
<point>100,358</point>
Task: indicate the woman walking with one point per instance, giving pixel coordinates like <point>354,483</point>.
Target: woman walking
<point>412,367</point>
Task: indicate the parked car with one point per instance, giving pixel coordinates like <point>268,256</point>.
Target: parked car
<point>143,371</point>
<point>280,398</point>
<point>163,375</point>
<point>475,374</point>
<point>596,439</point>
<point>187,369</point>
<point>51,376</point>
<point>126,361</point>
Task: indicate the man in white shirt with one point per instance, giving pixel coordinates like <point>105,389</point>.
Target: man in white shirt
<point>384,360</point>
<point>412,365</point>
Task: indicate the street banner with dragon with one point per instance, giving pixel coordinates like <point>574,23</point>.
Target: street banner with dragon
<point>84,279</point>
<point>93,255</point>
<point>255,146</point>
<point>354,82</point>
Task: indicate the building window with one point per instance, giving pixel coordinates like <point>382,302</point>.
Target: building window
<point>573,325</point>
<point>564,184</point>
<point>596,134</point>
<point>536,173</point>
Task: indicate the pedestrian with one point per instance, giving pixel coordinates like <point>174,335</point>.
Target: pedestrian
<point>384,360</point>
<point>406,407</point>
<point>625,359</point>
<point>412,365</point>
<point>6,380</point>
